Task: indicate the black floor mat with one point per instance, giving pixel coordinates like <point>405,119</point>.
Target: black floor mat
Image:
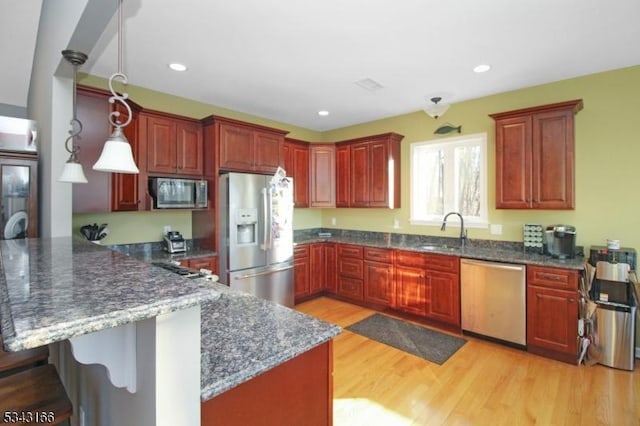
<point>428,344</point>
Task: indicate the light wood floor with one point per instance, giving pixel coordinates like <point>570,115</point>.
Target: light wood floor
<point>483,383</point>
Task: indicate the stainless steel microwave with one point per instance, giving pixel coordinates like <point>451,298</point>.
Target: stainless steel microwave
<point>174,193</point>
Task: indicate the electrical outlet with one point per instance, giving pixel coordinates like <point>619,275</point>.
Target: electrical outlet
<point>396,223</point>
<point>496,229</point>
<point>333,221</point>
<point>166,229</point>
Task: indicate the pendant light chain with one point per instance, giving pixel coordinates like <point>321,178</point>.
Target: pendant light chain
<point>114,115</point>
<point>76,125</point>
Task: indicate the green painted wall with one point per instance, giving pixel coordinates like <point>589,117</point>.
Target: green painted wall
<point>607,152</point>
<point>607,155</point>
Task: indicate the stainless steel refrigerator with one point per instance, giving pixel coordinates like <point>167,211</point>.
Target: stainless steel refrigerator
<point>256,235</point>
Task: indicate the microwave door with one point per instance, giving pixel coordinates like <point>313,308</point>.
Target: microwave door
<point>246,221</point>
<point>280,208</point>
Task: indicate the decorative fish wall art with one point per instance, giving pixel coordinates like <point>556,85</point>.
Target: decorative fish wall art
<point>446,129</point>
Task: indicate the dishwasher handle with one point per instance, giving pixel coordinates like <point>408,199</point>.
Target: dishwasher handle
<point>492,265</point>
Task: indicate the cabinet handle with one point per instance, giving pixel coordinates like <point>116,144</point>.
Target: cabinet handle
<point>572,300</point>
<point>551,277</point>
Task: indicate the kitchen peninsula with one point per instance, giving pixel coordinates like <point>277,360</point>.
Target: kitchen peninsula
<point>167,342</point>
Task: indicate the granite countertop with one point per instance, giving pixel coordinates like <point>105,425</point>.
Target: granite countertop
<point>54,289</point>
<point>482,250</point>
<point>243,336</point>
<point>154,251</point>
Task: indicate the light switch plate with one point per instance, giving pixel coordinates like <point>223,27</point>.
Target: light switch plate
<point>496,229</point>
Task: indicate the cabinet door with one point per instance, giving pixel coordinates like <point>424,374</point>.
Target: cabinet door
<point>513,163</point>
<point>209,262</point>
<point>552,319</point>
<point>444,303</point>
<point>236,148</point>
<point>379,174</point>
<point>411,290</point>
<point>350,288</point>
<point>316,268</point>
<point>330,271</point>
<point>161,145</point>
<point>323,175</point>
<point>124,186</point>
<point>189,148</point>
<point>343,176</point>
<point>378,278</point>
<point>19,201</point>
<point>301,271</point>
<point>360,175</point>
<point>267,154</point>
<point>296,164</point>
<point>553,160</point>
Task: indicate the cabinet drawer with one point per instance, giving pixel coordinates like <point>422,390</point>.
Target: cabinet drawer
<point>378,255</point>
<point>351,288</point>
<point>301,251</point>
<point>566,279</point>
<point>348,250</point>
<point>411,258</point>
<point>350,267</point>
<point>443,263</point>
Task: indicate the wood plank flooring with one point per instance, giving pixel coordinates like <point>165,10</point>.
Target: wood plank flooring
<point>483,383</point>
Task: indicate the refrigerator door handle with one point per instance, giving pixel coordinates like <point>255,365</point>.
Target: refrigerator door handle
<point>269,222</point>
<point>270,271</point>
<point>264,218</point>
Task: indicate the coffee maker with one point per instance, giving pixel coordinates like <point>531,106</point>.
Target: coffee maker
<point>561,241</point>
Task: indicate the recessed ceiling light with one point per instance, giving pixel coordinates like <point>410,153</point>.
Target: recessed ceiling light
<point>177,67</point>
<point>482,68</point>
<point>323,113</point>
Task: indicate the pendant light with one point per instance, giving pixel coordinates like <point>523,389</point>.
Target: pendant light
<point>436,109</point>
<point>117,156</point>
<point>72,171</point>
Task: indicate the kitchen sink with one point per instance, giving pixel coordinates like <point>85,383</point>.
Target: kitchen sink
<point>437,247</point>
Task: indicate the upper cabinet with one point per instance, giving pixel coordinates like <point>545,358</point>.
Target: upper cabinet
<point>245,147</point>
<point>296,164</point>
<point>368,172</point>
<point>323,175</point>
<point>535,157</point>
<point>105,191</point>
<point>174,145</point>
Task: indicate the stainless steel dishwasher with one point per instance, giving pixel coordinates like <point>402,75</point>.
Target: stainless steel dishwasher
<point>493,299</point>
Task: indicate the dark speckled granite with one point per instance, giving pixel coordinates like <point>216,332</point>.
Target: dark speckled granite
<point>243,336</point>
<point>155,251</point>
<point>498,251</point>
<point>53,289</point>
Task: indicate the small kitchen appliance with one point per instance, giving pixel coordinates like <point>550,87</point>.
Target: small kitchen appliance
<point>561,241</point>
<point>174,193</point>
<point>174,242</point>
<point>614,294</point>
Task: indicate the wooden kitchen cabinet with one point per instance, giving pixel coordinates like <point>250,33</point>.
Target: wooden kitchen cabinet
<point>552,312</point>
<point>301,271</point>
<point>535,157</point>
<point>343,175</point>
<point>411,290</point>
<point>322,170</point>
<point>378,276</point>
<point>330,271</point>
<point>316,268</point>
<point>245,147</point>
<point>106,192</point>
<point>174,145</point>
<point>209,262</point>
<point>18,195</point>
<point>445,297</point>
<point>372,176</point>
<point>350,271</point>
<point>296,164</point>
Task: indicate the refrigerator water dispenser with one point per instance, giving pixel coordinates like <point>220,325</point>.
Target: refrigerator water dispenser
<point>246,223</point>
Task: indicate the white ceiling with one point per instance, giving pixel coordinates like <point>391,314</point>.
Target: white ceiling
<point>287,59</point>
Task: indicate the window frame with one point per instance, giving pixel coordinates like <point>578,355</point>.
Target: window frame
<point>451,143</point>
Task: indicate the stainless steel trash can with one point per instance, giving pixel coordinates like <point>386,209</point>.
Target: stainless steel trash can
<point>615,333</point>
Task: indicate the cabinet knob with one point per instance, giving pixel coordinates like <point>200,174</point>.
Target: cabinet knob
<point>572,300</point>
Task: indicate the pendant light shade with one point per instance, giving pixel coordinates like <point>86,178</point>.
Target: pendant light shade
<point>116,156</point>
<point>72,171</point>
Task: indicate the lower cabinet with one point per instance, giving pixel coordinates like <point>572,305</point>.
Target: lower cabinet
<point>330,272</point>
<point>378,276</point>
<point>445,297</point>
<point>301,271</point>
<point>209,262</point>
<point>316,268</point>
<point>350,271</point>
<point>411,290</point>
<point>552,312</point>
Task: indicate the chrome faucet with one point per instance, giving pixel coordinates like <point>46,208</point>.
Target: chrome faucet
<point>463,232</point>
